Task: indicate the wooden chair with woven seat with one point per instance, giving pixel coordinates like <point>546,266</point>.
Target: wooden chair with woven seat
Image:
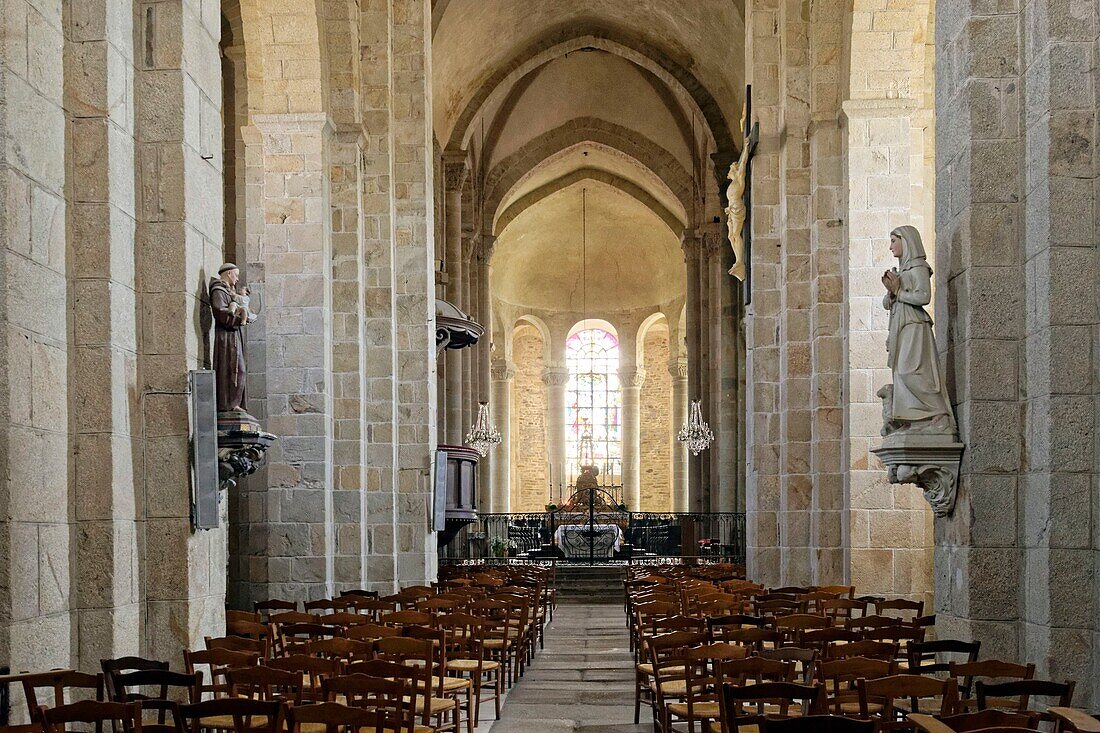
<point>815,600</point>
<point>665,676</point>
<point>290,638</point>
<point>61,683</point>
<point>748,706</point>
<point>342,650</point>
<point>756,639</point>
<point>157,690</point>
<point>926,657</point>
<point>459,687</point>
<point>357,688</point>
<point>435,709</point>
<point>817,724</point>
<point>248,629</point>
<point>265,683</point>
<point>217,662</point>
<point>989,670</point>
<point>121,715</point>
<point>804,661</point>
<point>905,689</point>
<point>794,625</point>
<point>332,717</point>
<point>838,677</point>
<point>820,639</point>
<point>702,679</point>
<point>981,721</point>
<point>234,713</point>
<point>501,633</point>
<point>842,610</point>
<point>1018,694</point>
<point>114,667</point>
<point>313,671</point>
<point>465,641</point>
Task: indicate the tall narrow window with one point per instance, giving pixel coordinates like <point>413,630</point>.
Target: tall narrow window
<point>594,404</point>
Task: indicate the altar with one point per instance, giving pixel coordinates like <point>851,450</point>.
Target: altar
<point>573,539</point>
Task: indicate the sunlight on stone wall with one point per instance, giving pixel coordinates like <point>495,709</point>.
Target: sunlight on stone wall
<point>530,465</point>
<point>656,406</point>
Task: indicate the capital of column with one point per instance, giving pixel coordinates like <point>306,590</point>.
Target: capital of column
<point>502,370</point>
<point>485,248</point>
<point>555,376</point>
<point>678,368</point>
<point>690,243</point>
<point>455,169</point>
<point>632,376</point>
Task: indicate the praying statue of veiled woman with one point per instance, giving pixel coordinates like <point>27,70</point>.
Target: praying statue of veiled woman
<point>917,400</point>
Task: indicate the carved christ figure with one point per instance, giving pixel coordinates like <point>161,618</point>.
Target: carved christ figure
<point>918,399</point>
<point>736,211</point>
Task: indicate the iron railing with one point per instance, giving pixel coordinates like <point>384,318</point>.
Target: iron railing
<point>642,536</point>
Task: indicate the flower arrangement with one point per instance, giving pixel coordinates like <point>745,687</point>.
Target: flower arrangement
<point>503,547</point>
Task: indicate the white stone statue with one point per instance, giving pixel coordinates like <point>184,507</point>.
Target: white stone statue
<point>736,211</point>
<point>917,400</point>
<point>921,443</point>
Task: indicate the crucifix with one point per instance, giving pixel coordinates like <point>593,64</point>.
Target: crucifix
<point>739,197</point>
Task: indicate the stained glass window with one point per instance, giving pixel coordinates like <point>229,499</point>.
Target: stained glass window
<point>593,412</point>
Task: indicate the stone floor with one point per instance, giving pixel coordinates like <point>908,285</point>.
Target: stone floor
<point>582,681</point>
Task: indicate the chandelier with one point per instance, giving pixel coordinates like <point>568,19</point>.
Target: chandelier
<point>482,435</point>
<point>696,434</point>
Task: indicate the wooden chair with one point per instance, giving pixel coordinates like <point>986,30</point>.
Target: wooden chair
<point>61,682</point>
<point>166,687</point>
<point>274,604</point>
<point>839,676</point>
<point>901,606</point>
<point>931,724</point>
<point>265,683</point>
<point>293,617</point>
<point>113,667</point>
<point>983,720</point>
<point>820,639</point>
<point>770,700</point>
<point>817,724</point>
<point>703,666</point>
<point>988,670</point>
<point>339,649</point>
<point>239,644</point>
<point>124,716</point>
<point>842,610</point>
<point>1075,720</point>
<point>888,691</point>
<point>464,636</point>
<point>312,670</point>
<point>923,655</point>
<point>217,662</point>
<point>254,617</point>
<point>803,660</point>
<point>666,681</point>
<point>1022,691</point>
<point>843,591</point>
<point>864,648</point>
<point>793,626</point>
<point>234,713</point>
<point>332,717</point>
<point>435,709</point>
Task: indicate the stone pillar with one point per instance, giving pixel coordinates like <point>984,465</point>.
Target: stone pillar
<point>678,368</point>
<point>502,374</point>
<point>296,259</point>
<point>469,359</point>
<point>484,377</point>
<point>454,172</point>
<point>631,380</point>
<point>556,378</point>
<point>692,247</point>
<point>715,277</point>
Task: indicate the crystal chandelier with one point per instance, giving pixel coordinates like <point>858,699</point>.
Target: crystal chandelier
<point>483,435</point>
<point>696,434</point>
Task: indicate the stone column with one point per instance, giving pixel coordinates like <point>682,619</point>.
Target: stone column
<point>503,372</point>
<point>631,380</point>
<point>691,246</point>
<point>454,173</point>
<point>678,368</point>
<point>296,258</point>
<point>484,377</point>
<point>556,378</point>
<point>469,359</point>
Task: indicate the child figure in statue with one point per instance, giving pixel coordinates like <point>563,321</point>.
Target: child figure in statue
<point>917,400</point>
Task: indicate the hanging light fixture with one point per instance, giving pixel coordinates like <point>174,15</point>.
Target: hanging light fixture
<point>696,434</point>
<point>483,435</point>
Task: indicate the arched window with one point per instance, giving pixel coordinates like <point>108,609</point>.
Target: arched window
<point>594,404</point>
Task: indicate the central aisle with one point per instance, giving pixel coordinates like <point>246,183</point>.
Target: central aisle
<point>582,681</point>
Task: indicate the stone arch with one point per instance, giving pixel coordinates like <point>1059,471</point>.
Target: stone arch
<point>560,41</point>
<point>505,175</point>
<point>528,319</point>
<point>643,331</point>
<point>282,36</point>
<point>674,222</point>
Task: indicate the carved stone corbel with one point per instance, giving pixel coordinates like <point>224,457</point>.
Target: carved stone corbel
<point>928,460</point>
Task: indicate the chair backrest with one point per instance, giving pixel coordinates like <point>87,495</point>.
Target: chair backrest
<point>315,669</point>
<point>340,649</point>
<point>744,705</point>
<point>249,716</point>
<point>838,677</point>
<point>887,691</point>
<point>988,670</point>
<point>923,654</point>
<point>337,718</point>
<point>983,719</point>
<point>1023,691</point>
<point>113,667</point>
<point>59,683</point>
<point>253,616</point>
<point>803,659</point>
<point>216,661</point>
<point>900,607</point>
<point>274,604</point>
<point>415,653</point>
<point>294,617</point>
<point>238,644</point>
<point>817,724</point>
<point>842,609</point>
<point>389,696</point>
<point>266,683</point>
<point>125,716</point>
<point>866,648</point>
<point>157,684</point>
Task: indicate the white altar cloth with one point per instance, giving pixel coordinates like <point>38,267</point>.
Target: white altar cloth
<point>572,539</point>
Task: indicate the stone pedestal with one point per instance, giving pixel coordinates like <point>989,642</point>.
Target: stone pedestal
<point>930,461</point>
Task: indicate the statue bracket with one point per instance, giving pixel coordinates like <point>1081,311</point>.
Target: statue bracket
<point>241,447</point>
<point>931,461</point>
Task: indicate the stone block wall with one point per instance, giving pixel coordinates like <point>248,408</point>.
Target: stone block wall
<point>531,467</point>
<point>656,424</point>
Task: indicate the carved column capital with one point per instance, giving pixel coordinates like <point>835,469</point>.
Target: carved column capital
<point>632,376</point>
<point>455,170</point>
<point>678,368</point>
<point>502,370</point>
<point>487,243</point>
<point>555,376</point>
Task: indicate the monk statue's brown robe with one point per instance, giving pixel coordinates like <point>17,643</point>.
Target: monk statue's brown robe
<point>229,372</point>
